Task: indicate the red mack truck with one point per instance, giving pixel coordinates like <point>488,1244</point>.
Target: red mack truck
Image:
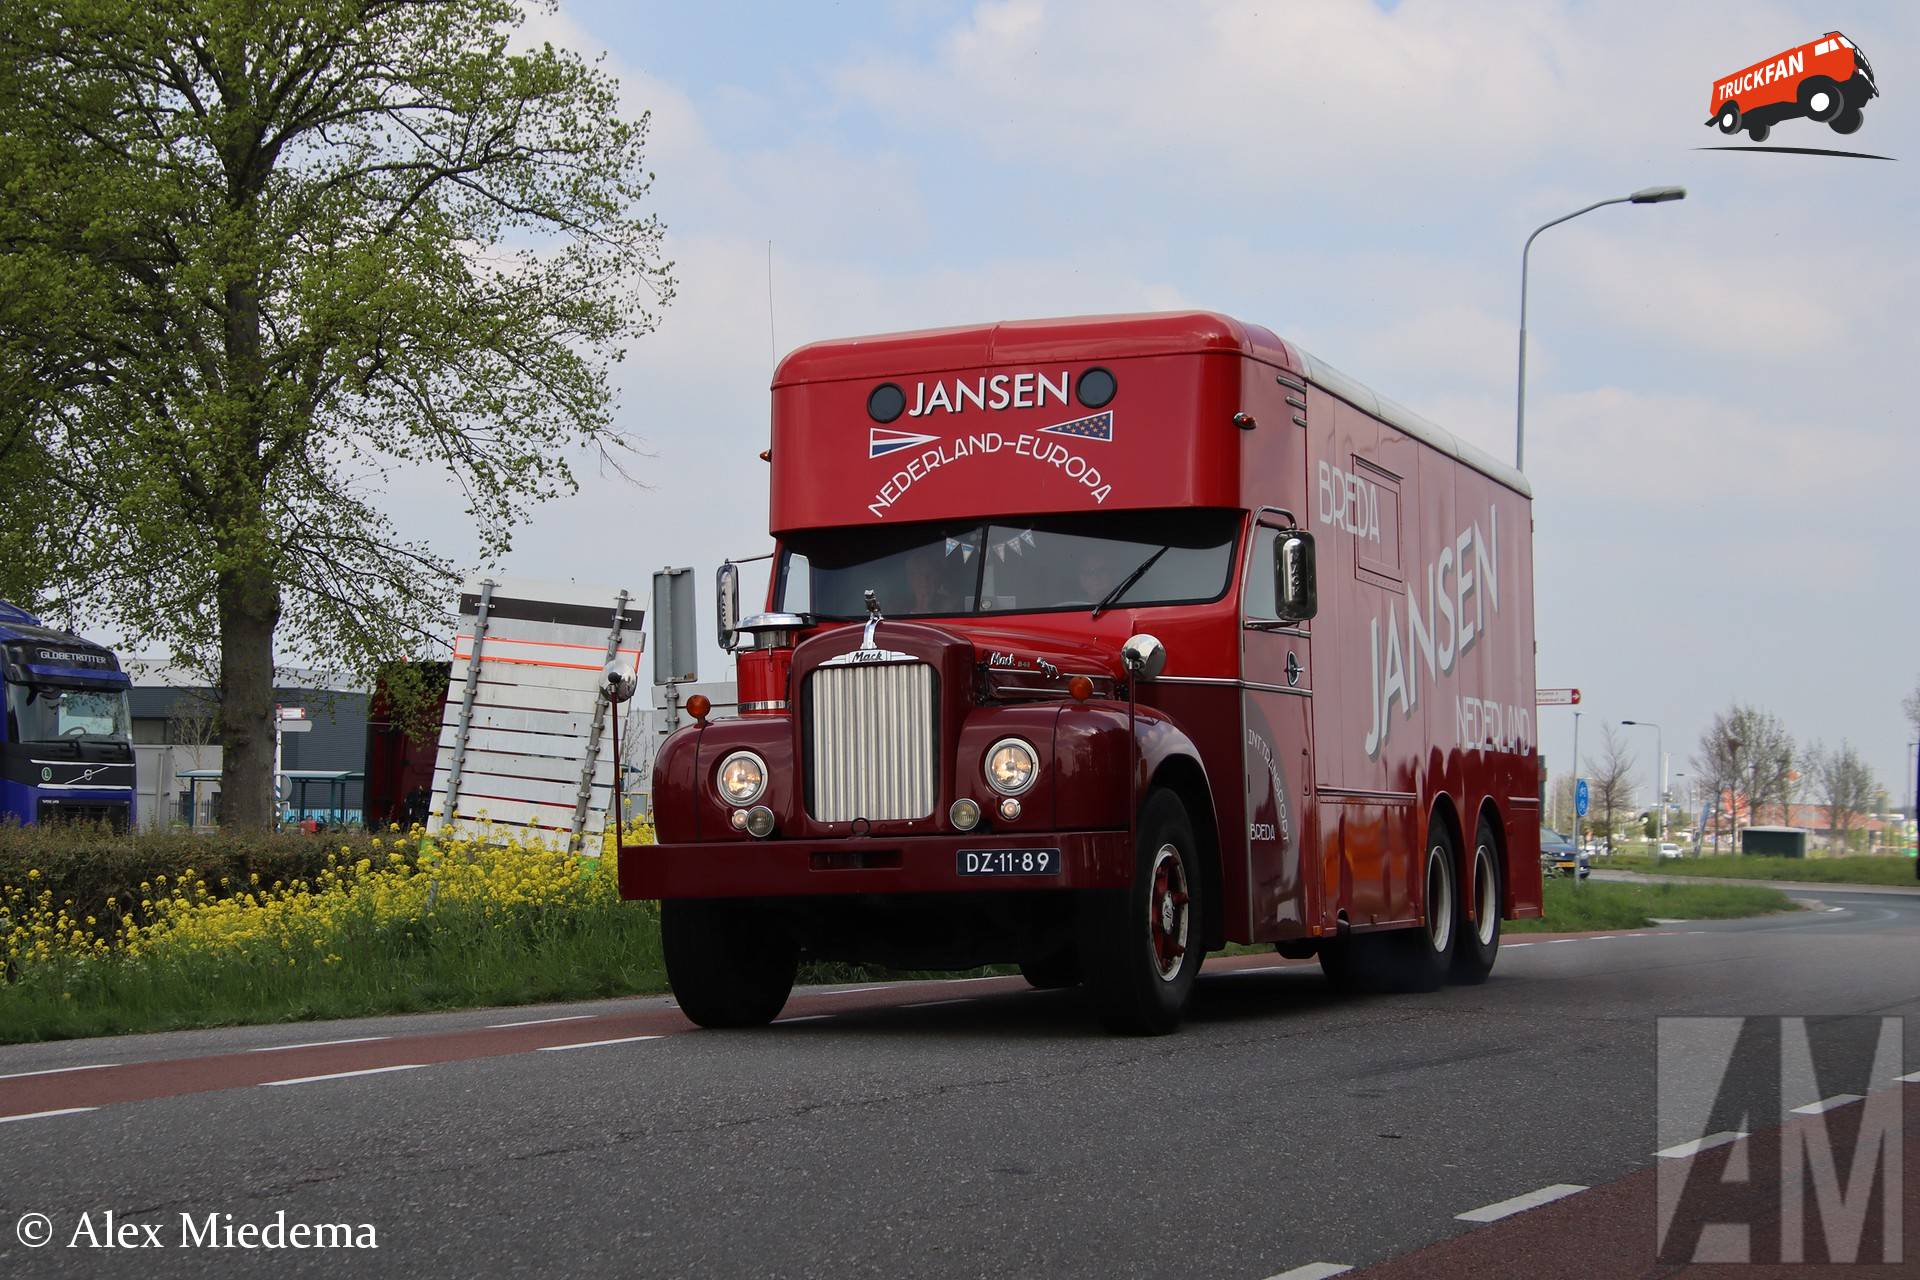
<point>1093,645</point>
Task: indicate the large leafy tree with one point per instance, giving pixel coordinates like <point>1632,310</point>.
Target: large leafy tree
<point>257,254</point>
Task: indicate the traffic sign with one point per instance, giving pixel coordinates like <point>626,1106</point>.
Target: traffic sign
<point>1556,697</point>
<point>1580,797</point>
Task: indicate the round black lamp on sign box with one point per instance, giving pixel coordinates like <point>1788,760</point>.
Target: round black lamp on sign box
<point>1095,388</point>
<point>886,402</point>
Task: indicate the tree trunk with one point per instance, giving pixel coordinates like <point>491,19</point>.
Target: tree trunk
<point>249,602</point>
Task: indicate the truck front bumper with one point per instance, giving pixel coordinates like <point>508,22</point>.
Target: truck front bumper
<point>921,864</point>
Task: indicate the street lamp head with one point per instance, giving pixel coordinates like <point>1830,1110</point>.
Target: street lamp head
<point>1658,195</point>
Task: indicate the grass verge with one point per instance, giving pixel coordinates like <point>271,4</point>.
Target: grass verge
<point>1854,870</point>
<point>1611,905</point>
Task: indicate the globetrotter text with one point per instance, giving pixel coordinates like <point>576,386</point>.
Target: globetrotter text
<point>983,443</point>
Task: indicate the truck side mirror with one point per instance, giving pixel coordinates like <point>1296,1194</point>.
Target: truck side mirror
<point>1296,592</point>
<point>727,608</point>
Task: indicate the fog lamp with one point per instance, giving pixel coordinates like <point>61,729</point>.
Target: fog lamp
<point>965,814</point>
<point>760,821</point>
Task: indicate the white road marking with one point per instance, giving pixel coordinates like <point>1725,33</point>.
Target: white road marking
<point>42,1115</point>
<point>1826,1104</point>
<point>54,1071</point>
<point>1515,946</point>
<point>538,1022</point>
<point>811,1017</point>
<point>342,1075</point>
<point>848,991</point>
<point>1314,1271</point>
<point>1262,968</point>
<point>1912,1077</point>
<point>594,1044</point>
<point>316,1044</point>
<point>928,1004</point>
<point>991,977</point>
<point>1553,940</point>
<point>1605,937</point>
<point>1520,1204</point>
<point>1698,1145</point>
<point>1831,910</point>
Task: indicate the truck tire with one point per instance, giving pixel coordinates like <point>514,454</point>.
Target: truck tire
<point>1729,118</point>
<point>1847,121</point>
<point>1141,948</point>
<point>1758,132</point>
<point>1052,972</point>
<point>1820,98</point>
<point>1478,939</point>
<point>1426,952</point>
<point>729,965</point>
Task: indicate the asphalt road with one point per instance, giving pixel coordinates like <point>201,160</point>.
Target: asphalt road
<point>952,1129</point>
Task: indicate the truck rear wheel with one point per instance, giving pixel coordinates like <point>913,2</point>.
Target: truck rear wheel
<point>1729,118</point>
<point>1820,98</point>
<point>1848,121</point>
<point>728,963</point>
<point>1478,942</point>
<point>1140,950</point>
<point>1426,953</point>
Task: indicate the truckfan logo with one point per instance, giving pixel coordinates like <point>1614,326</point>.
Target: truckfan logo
<point>1828,81</point>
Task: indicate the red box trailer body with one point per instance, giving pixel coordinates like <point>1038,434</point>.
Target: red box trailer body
<point>967,767</point>
<point>1827,80</point>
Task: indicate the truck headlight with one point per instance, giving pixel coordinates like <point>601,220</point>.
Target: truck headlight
<point>1010,766</point>
<point>743,776</point>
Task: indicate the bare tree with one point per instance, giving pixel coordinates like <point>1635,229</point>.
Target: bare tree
<point>1747,752</point>
<point>1610,781</point>
<point>1845,784</point>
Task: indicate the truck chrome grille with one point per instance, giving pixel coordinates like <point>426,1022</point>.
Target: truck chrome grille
<point>870,742</point>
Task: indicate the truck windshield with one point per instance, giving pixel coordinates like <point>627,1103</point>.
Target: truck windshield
<point>1046,563</point>
<point>66,713</point>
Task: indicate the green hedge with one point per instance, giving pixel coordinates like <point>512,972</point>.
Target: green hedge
<point>89,863</point>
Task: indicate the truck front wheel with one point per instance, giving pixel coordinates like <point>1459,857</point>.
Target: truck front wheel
<point>1141,949</point>
<point>729,964</point>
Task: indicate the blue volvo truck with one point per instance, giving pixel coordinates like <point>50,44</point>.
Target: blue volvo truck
<point>66,746</point>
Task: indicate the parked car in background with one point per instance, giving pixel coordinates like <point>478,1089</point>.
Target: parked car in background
<point>1559,856</point>
<point>1668,849</point>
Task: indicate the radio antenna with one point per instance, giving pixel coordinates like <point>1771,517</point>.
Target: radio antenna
<point>773,349</point>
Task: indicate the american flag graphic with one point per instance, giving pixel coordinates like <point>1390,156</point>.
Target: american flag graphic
<point>1098,427</point>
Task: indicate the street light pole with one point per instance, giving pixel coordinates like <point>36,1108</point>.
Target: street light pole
<point>1646,195</point>
<point>1659,770</point>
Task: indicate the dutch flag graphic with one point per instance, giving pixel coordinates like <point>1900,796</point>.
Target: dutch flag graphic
<point>881,441</point>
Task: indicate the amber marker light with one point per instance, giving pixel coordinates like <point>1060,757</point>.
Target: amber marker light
<point>1081,688</point>
<point>698,706</point>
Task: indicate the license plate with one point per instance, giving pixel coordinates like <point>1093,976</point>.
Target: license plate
<point>1009,862</point>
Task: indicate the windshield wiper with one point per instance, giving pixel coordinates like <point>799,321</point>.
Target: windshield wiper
<point>1120,588</point>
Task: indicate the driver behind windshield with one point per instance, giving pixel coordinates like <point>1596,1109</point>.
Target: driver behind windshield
<point>930,583</point>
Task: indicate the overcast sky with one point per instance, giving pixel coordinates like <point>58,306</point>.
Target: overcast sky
<point>1720,424</point>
